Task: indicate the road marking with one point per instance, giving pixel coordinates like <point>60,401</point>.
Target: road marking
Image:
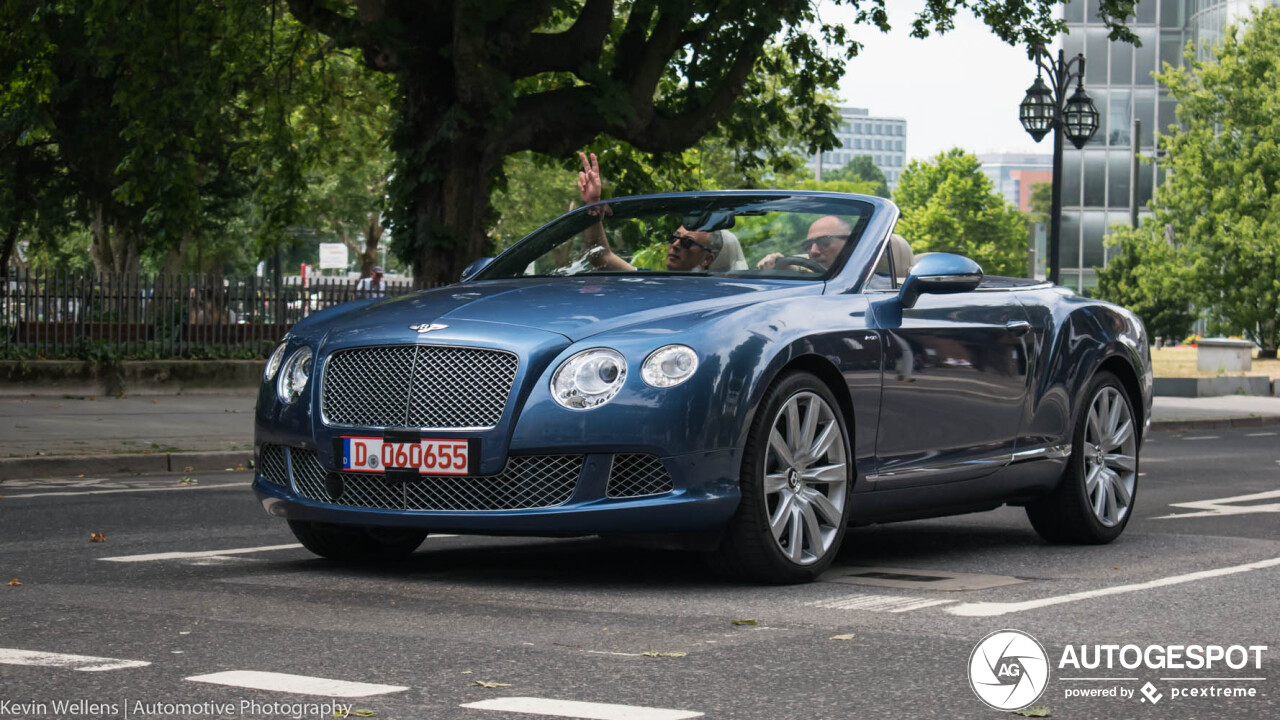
<point>1265,434</point>
<point>128,490</point>
<point>575,709</point>
<point>992,609</point>
<point>202,554</point>
<point>1202,437</point>
<point>878,603</point>
<point>298,684</point>
<point>83,663</point>
<point>1220,506</point>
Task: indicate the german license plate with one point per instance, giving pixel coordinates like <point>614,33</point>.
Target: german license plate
<point>426,456</point>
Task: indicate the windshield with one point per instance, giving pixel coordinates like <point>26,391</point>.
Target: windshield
<point>783,236</point>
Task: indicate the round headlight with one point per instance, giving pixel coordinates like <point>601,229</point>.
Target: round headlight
<point>589,379</point>
<point>295,374</point>
<point>669,366</point>
<point>273,364</point>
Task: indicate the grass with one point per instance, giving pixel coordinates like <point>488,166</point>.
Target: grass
<point>1180,362</point>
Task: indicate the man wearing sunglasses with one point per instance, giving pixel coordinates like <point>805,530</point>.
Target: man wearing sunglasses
<point>826,238</point>
<point>686,249</point>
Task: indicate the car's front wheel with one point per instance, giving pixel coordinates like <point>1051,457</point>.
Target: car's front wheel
<point>795,483</point>
<point>1094,499</point>
<point>348,542</point>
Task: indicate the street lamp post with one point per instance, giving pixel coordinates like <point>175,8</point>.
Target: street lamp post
<point>1042,110</point>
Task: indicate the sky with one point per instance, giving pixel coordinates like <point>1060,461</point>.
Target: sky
<point>961,89</point>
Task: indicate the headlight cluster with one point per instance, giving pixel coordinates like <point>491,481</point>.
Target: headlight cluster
<point>273,364</point>
<point>589,379</point>
<point>593,377</point>
<point>294,375</point>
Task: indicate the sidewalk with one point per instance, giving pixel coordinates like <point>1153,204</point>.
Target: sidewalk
<point>74,435</point>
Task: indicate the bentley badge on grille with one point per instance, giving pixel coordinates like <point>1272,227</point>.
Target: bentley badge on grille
<point>424,328</point>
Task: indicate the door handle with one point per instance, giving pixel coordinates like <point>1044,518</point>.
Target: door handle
<point>1018,327</point>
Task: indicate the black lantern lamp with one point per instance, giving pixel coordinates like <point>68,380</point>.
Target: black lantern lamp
<point>1042,111</point>
<point>1036,111</point>
<point>1079,118</point>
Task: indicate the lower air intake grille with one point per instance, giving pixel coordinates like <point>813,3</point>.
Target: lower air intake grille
<point>272,464</point>
<point>527,482</point>
<point>638,476</point>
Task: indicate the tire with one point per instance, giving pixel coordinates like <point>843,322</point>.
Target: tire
<point>347,543</point>
<point>794,508</point>
<point>1094,500</point>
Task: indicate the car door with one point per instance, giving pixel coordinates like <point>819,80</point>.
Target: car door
<point>954,384</point>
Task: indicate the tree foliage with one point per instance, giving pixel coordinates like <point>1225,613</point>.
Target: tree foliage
<point>480,81</point>
<point>949,205</point>
<point>1222,198</point>
<point>1148,275</point>
<point>862,168</point>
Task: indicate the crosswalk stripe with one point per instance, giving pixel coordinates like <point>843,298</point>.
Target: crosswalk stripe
<point>576,709</point>
<point>299,684</point>
<point>878,603</point>
<point>83,663</point>
<point>200,554</point>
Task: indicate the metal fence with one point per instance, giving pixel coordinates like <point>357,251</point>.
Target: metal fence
<point>66,314</point>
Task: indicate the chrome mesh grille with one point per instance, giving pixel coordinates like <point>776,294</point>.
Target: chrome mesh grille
<point>272,464</point>
<point>526,482</point>
<point>418,386</point>
<point>637,475</point>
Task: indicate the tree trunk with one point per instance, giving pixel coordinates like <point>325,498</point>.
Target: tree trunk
<point>115,248</point>
<point>6,253</point>
<point>1267,354</point>
<point>372,237</point>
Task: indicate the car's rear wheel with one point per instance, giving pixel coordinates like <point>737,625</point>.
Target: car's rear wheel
<point>348,542</point>
<point>1094,500</point>
<point>795,483</point>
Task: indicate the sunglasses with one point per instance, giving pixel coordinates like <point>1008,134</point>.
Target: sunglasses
<point>686,242</point>
<point>822,241</point>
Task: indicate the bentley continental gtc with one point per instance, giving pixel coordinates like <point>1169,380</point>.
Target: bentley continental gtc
<point>745,373</point>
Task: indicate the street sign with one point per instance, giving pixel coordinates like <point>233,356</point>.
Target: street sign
<point>333,256</point>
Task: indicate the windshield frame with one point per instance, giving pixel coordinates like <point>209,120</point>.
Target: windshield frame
<point>562,229</point>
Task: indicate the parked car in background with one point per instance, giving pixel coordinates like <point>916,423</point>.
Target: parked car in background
<point>751,410</point>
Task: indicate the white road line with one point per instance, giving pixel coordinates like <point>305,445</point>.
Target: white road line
<point>201,554</point>
<point>992,609</point>
<point>298,684</point>
<point>575,709</point>
<point>128,490</point>
<point>1265,434</point>
<point>878,603</point>
<point>83,663</point>
<point>1202,437</point>
<point>1221,506</point>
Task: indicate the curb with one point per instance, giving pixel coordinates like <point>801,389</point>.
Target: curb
<point>1216,423</point>
<point>123,464</point>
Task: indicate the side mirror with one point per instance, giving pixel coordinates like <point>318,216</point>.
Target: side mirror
<point>939,273</point>
<point>476,266</point>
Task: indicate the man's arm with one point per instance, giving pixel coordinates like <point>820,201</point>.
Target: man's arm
<point>589,186</point>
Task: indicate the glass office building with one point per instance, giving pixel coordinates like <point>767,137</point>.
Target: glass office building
<point>1118,76</point>
<point>884,140</point>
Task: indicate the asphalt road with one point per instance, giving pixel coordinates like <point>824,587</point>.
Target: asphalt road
<point>571,620</point>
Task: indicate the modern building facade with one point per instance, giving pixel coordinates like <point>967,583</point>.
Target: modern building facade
<point>884,140</point>
<point>1119,77</point>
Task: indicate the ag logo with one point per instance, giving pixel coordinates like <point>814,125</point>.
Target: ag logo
<point>1008,670</point>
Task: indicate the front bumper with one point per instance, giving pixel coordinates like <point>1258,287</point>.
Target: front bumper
<point>703,495</point>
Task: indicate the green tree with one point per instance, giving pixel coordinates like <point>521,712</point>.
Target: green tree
<point>1222,197</point>
<point>479,81</point>
<point>862,168</point>
<point>949,205</point>
<point>1149,276</point>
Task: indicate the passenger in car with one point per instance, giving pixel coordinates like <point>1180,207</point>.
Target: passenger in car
<point>823,243</point>
<point>686,249</point>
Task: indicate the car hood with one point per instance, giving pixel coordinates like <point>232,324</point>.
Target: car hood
<point>575,307</point>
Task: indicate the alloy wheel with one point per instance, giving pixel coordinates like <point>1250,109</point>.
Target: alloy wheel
<point>1110,456</point>
<point>805,478</point>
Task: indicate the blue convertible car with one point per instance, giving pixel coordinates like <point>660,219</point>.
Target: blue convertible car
<point>747,372</point>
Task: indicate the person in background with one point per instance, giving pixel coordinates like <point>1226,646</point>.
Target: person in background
<point>373,286</point>
<point>686,249</point>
